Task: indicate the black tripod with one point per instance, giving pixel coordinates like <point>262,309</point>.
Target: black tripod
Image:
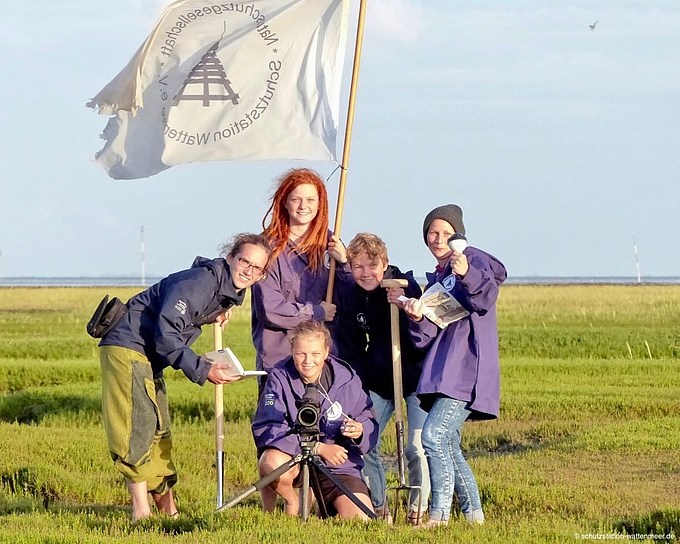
<point>309,465</point>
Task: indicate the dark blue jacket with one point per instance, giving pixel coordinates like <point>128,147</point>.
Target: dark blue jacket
<point>363,336</point>
<point>277,412</point>
<point>163,321</point>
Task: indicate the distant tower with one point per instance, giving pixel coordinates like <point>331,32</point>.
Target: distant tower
<point>637,261</point>
<point>208,72</point>
<point>141,251</point>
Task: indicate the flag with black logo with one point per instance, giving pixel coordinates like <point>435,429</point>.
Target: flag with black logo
<point>215,81</point>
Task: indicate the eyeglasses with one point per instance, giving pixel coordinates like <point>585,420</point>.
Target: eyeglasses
<point>246,264</point>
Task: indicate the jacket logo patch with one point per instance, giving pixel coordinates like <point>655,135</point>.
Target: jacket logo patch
<point>449,282</point>
<point>269,399</point>
<point>181,307</point>
<point>361,318</point>
<point>334,412</point>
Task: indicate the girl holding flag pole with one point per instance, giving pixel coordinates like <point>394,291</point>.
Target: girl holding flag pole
<point>295,287</point>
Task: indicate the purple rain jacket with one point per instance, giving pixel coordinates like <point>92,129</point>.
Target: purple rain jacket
<point>276,414</point>
<point>165,319</point>
<point>290,294</point>
<point>462,359</point>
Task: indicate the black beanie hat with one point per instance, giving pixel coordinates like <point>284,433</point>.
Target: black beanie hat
<point>450,213</point>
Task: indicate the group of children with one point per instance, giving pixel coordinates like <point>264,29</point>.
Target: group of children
<point>343,348</point>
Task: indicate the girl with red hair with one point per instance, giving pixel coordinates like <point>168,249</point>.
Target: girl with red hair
<point>295,287</point>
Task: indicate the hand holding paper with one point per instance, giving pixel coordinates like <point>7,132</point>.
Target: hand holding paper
<point>413,308</point>
<point>437,304</point>
<point>220,374</point>
<point>227,364</point>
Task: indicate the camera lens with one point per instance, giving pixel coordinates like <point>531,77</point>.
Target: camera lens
<point>308,416</point>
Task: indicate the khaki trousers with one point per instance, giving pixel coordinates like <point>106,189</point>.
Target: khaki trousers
<point>136,419</point>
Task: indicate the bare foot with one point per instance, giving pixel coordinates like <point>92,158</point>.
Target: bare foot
<point>292,508</point>
<point>165,503</point>
<point>140,500</point>
<point>432,524</point>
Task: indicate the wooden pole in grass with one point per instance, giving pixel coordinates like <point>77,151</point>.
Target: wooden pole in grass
<point>398,406</point>
<point>219,422</point>
<point>397,377</point>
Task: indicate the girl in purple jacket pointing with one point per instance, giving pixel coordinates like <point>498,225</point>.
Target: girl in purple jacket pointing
<point>461,371</point>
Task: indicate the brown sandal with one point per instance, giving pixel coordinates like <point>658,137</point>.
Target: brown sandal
<point>415,518</point>
<point>384,513</point>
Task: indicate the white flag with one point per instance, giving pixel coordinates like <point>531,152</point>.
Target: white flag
<point>222,81</point>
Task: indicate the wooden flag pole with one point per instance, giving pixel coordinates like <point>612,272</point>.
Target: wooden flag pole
<point>219,422</point>
<point>348,138</point>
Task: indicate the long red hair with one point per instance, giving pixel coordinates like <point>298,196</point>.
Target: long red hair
<point>315,240</point>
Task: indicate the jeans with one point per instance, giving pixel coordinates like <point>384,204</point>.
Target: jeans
<point>373,471</point>
<point>449,470</point>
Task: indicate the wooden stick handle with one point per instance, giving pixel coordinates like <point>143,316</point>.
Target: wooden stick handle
<point>219,422</point>
<point>396,364</point>
<point>331,282</point>
<point>219,395</point>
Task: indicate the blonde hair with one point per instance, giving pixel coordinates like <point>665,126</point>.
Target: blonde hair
<point>370,244</point>
<point>311,328</point>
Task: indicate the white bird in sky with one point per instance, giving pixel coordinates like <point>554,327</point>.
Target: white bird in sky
<point>592,27</point>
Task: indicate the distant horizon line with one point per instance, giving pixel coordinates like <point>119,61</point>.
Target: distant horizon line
<point>135,280</point>
<point>134,276</point>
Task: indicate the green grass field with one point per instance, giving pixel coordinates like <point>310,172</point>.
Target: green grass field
<point>587,445</point>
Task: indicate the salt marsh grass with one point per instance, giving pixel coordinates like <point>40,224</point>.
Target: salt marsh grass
<point>590,321</point>
<point>587,442</point>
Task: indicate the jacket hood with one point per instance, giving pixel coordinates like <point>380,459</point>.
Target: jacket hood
<point>498,268</point>
<point>226,291</point>
<point>393,272</point>
<point>500,274</point>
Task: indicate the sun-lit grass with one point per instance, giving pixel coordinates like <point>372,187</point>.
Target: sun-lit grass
<point>587,441</point>
<point>590,321</point>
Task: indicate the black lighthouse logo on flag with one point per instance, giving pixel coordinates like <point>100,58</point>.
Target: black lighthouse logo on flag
<point>208,81</point>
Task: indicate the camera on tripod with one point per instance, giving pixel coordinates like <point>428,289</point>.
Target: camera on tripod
<point>309,410</point>
<point>306,426</point>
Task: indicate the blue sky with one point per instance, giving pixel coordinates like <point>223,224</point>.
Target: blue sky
<point>558,142</point>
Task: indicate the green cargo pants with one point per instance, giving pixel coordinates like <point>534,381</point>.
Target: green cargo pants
<point>136,419</point>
